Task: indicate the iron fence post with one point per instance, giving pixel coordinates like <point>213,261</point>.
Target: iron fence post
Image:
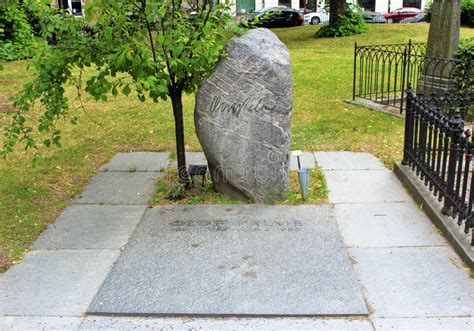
<point>355,72</point>
<point>423,135</point>
<point>456,125</point>
<point>403,79</point>
<point>409,118</point>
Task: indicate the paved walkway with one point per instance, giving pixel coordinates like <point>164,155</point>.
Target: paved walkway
<point>409,276</point>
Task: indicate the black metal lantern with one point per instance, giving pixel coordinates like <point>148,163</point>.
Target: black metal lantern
<point>197,170</point>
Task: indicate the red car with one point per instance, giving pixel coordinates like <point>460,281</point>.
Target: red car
<point>400,14</point>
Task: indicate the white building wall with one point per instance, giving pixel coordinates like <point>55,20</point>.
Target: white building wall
<point>381,6</point>
<point>233,8</point>
<point>271,3</point>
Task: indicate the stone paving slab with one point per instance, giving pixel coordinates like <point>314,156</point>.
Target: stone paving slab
<point>414,282</point>
<point>233,260</point>
<point>421,194</point>
<point>348,161</point>
<point>444,323</point>
<point>307,160</point>
<point>120,188</point>
<point>23,323</point>
<point>137,161</point>
<point>54,283</point>
<point>196,158</point>
<point>386,225</point>
<point>223,324</point>
<point>91,227</point>
<point>348,186</point>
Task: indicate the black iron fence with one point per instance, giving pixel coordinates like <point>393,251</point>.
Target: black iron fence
<point>439,149</point>
<point>382,72</point>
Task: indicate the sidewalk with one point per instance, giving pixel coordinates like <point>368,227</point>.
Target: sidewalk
<point>409,276</point>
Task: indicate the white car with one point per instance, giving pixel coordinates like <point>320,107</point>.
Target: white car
<point>316,18</point>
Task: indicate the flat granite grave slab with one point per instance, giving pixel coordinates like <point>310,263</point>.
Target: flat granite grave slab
<point>25,323</point>
<point>54,283</point>
<point>382,224</point>
<point>91,227</point>
<point>414,282</point>
<point>307,160</point>
<point>250,260</point>
<point>354,186</point>
<point>138,161</point>
<point>120,188</point>
<point>348,161</point>
<point>93,323</point>
<point>195,158</point>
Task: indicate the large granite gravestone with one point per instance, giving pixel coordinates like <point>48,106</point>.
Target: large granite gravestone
<point>443,43</point>
<point>242,118</point>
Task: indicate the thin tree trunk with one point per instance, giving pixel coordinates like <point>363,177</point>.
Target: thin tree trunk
<point>177,102</point>
<point>337,9</point>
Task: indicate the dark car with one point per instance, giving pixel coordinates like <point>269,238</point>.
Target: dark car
<point>278,17</point>
<point>401,13</point>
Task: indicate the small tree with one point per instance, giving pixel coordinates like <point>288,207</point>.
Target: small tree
<point>337,10</point>
<point>158,49</point>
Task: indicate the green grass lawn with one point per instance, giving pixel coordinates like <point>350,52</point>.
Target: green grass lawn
<point>32,197</point>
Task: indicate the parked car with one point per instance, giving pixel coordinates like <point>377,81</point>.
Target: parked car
<point>304,11</point>
<point>371,17</point>
<point>415,19</point>
<point>316,18</point>
<point>322,16</point>
<point>278,17</point>
<point>401,13</point>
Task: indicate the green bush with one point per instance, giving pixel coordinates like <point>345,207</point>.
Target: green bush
<point>17,40</point>
<point>467,12</point>
<point>463,72</point>
<point>351,23</point>
<point>177,192</point>
<point>428,9</point>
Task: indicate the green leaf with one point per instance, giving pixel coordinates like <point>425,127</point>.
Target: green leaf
<point>126,90</point>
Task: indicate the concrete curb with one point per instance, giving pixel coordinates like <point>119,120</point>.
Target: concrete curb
<point>390,110</point>
<point>452,232</point>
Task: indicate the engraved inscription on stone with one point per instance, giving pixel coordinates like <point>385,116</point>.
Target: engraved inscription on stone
<point>242,225</point>
<point>218,105</point>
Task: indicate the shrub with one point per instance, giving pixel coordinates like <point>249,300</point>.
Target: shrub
<point>351,23</point>
<point>467,12</point>
<point>17,40</point>
<point>463,73</point>
<point>177,192</point>
<point>428,9</point>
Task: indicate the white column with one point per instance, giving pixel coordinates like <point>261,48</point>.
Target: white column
<point>271,3</point>
<point>381,6</point>
<point>423,4</point>
<point>233,7</point>
<point>395,4</point>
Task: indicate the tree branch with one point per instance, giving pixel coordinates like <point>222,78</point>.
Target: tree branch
<point>148,27</point>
